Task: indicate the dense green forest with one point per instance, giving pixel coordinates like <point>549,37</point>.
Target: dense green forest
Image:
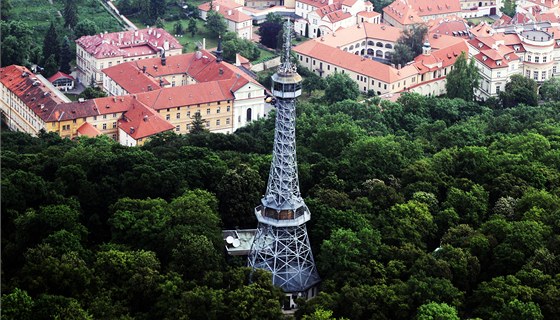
<point>427,208</point>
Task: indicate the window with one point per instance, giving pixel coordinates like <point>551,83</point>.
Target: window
<point>74,121</point>
<point>114,115</point>
<point>537,58</point>
<point>554,69</point>
<point>188,127</point>
<point>66,127</point>
<point>94,118</point>
<point>104,116</point>
<point>114,136</point>
<point>178,115</point>
<point>114,125</point>
<point>104,126</point>
<point>498,74</point>
<point>528,58</point>
<point>218,110</point>
<point>227,121</point>
<point>177,128</point>
<point>228,108</point>
<point>167,117</point>
<point>527,74</point>
<point>544,59</point>
<point>188,114</point>
<point>218,122</point>
<point>543,75</point>
<point>207,124</point>
<point>536,75</point>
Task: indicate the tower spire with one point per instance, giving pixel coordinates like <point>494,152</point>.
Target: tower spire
<point>281,244</point>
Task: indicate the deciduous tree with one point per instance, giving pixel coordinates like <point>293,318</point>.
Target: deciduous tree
<point>463,79</point>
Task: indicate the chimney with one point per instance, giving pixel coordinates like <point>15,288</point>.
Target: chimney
<point>203,44</point>
<point>166,44</point>
<point>163,58</point>
<point>144,69</point>
<point>219,50</point>
<point>145,117</point>
<point>229,12</point>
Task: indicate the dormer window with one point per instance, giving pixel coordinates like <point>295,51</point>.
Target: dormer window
<point>516,48</point>
<point>484,58</point>
<point>480,44</point>
<point>499,62</point>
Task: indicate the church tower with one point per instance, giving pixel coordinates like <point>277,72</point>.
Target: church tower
<point>281,244</point>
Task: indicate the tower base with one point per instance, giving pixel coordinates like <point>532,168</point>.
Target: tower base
<point>286,253</point>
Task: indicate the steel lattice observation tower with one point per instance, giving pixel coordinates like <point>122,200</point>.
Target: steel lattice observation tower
<point>281,244</point>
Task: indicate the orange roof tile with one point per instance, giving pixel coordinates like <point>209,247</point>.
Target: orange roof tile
<point>410,11</point>
<point>228,12</point>
<point>194,94</point>
<point>59,75</point>
<point>128,43</point>
<point>441,58</point>
<point>88,130</point>
<point>353,62</point>
<point>30,90</point>
<point>73,110</point>
<point>131,78</point>
<point>141,122</point>
<point>363,31</point>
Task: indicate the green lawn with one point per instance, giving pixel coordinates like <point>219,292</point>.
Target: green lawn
<point>38,14</point>
<point>476,21</point>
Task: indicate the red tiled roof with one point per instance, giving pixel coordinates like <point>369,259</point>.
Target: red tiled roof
<point>352,62</point>
<point>227,3</point>
<point>30,90</point>
<point>140,122</point>
<point>455,28</point>
<point>88,130</point>
<point>228,12</point>
<point>128,43</point>
<point>116,104</point>
<point>368,14</point>
<point>193,94</point>
<point>441,58</point>
<point>59,75</point>
<point>409,11</point>
<point>73,110</point>
<point>314,3</point>
<point>130,78</point>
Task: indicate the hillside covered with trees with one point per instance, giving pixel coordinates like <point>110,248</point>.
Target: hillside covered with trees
<point>420,208</point>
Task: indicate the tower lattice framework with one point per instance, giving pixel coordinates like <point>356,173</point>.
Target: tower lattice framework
<point>281,244</point>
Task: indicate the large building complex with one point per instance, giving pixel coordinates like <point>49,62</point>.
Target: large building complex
<point>97,52</point>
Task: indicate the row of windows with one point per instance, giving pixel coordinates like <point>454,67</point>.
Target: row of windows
<point>218,123</point>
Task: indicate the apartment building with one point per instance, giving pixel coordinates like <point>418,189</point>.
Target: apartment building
<point>237,21</point>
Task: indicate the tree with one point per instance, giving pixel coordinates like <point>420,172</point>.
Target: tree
<point>51,45</point>
<point>239,192</point>
<point>198,125</point>
<point>5,9</point>
<point>92,93</point>
<point>340,87</point>
<point>233,45</point>
<point>437,311</point>
<point>70,14</point>
<point>66,55</point>
<point>51,66</point>
<point>519,90</point>
<point>85,27</point>
<point>550,89</point>
<point>178,28</point>
<point>160,23</point>
<point>411,38</point>
<point>274,18</point>
<point>216,23</point>
<point>192,27</point>
<point>17,42</point>
<point>509,8</point>
<point>17,305</point>
<point>269,32</point>
<point>157,9</point>
<point>463,79</point>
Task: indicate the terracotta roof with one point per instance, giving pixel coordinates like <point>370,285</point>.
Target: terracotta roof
<point>353,62</point>
<point>363,31</point>
<point>140,122</point>
<point>410,11</point>
<point>73,110</point>
<point>482,30</point>
<point>441,58</point>
<point>314,3</point>
<point>455,28</point>
<point>338,16</point>
<point>30,90</point>
<point>59,75</point>
<point>441,41</point>
<point>128,43</point>
<point>88,130</point>
<point>227,3</point>
<point>349,3</point>
<point>201,66</point>
<point>368,14</point>
<point>193,94</point>
<point>131,78</point>
<point>544,3</point>
<point>229,13</point>
<point>115,104</point>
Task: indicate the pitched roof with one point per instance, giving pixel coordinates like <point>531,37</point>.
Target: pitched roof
<point>140,122</point>
<point>194,94</point>
<point>314,3</point>
<point>227,3</point>
<point>455,28</point>
<point>410,11</point>
<point>73,110</point>
<point>130,78</point>
<point>441,58</point>
<point>228,12</point>
<point>59,75</point>
<point>88,130</point>
<point>362,31</point>
<point>128,43</point>
<point>36,95</point>
<point>353,62</point>
<point>482,30</point>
